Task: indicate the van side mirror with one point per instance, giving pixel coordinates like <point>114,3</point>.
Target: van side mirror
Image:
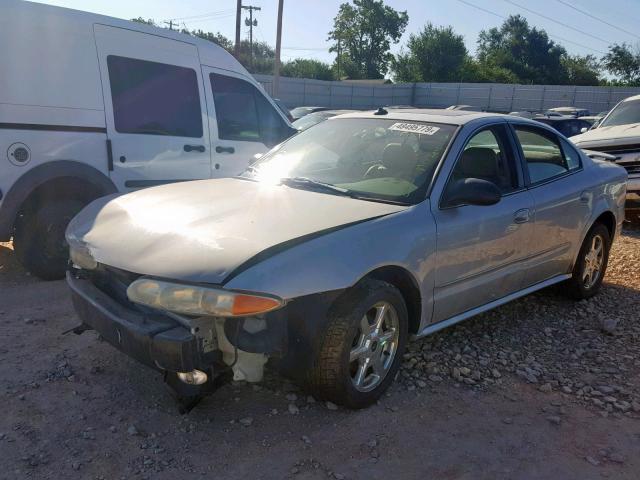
<point>471,191</point>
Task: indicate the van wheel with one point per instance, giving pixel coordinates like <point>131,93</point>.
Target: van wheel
<point>39,241</point>
<point>591,264</point>
<point>362,346</point>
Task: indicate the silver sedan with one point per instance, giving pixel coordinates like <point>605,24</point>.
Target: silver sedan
<point>340,244</point>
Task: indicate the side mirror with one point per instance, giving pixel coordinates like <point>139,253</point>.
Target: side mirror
<point>471,191</point>
<point>583,129</point>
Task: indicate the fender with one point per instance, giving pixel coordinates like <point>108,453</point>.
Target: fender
<point>602,204</point>
<point>42,174</point>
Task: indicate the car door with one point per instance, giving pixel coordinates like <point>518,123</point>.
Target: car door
<point>480,249</point>
<point>155,108</point>
<point>562,199</point>
<point>243,122</point>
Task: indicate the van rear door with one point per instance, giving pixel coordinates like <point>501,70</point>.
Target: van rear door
<point>155,108</point>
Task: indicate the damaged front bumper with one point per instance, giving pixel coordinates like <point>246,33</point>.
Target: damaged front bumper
<point>288,338</point>
<point>152,339</point>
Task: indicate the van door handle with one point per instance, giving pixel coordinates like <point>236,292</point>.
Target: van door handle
<point>522,216</point>
<point>220,149</point>
<point>194,148</point>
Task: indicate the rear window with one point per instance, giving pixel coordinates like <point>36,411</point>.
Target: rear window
<point>542,153</point>
<point>154,98</point>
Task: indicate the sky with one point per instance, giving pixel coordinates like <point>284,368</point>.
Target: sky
<point>306,23</point>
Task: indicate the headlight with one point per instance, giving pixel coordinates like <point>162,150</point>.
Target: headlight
<point>81,257</point>
<point>197,300</point>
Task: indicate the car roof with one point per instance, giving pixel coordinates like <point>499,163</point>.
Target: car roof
<point>452,117</point>
<point>558,119</point>
<point>628,99</point>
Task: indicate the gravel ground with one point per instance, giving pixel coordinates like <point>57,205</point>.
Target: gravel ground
<point>541,388</point>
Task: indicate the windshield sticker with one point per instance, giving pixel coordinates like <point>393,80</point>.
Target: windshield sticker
<point>414,128</point>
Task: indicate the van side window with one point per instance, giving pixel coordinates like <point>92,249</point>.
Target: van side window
<point>154,98</point>
<point>243,113</point>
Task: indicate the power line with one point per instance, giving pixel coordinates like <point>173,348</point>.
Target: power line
<point>210,14</point>
<point>598,19</point>
<point>210,19</point>
<point>324,49</point>
<point>559,23</point>
<point>477,7</point>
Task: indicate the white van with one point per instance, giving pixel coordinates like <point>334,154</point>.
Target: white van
<point>92,105</point>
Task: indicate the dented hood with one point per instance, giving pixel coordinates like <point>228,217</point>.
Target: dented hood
<point>201,231</point>
<point>614,135</point>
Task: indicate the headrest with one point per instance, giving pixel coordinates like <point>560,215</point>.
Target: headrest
<point>399,158</point>
<point>478,162</point>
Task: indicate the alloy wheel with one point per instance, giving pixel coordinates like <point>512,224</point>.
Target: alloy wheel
<point>593,261</point>
<point>374,346</point>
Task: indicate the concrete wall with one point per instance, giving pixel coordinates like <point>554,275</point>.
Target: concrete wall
<point>487,96</point>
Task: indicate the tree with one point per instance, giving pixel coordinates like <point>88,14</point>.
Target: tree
<point>306,68</point>
<point>362,35</point>
<point>148,21</point>
<point>581,70</point>
<point>475,71</point>
<point>216,38</point>
<point>624,63</point>
<point>526,51</point>
<point>436,54</point>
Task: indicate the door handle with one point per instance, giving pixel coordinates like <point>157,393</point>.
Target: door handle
<point>220,149</point>
<point>521,216</point>
<point>194,148</point>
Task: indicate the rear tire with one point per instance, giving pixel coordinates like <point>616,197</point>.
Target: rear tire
<point>362,345</point>
<point>591,264</point>
<point>39,241</point>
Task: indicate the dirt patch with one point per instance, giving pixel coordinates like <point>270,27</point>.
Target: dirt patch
<point>500,396</point>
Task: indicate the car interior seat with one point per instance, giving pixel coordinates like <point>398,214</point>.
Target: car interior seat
<point>398,161</point>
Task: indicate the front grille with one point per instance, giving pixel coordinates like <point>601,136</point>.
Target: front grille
<point>627,156</point>
<point>113,282</point>
<point>616,149</point>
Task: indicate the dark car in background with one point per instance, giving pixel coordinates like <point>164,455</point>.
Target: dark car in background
<point>317,117</point>
<point>568,126</point>
<point>283,108</point>
<point>300,112</point>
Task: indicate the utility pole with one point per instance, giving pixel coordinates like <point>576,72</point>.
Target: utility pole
<point>170,23</point>
<point>276,67</point>
<point>238,19</point>
<point>250,22</point>
<point>339,58</point>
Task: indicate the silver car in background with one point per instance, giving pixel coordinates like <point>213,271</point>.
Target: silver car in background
<point>341,243</point>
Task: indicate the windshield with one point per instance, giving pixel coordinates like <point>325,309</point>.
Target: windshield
<point>373,159</point>
<point>623,114</point>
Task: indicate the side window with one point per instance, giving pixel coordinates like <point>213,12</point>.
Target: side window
<point>154,98</point>
<point>271,125</point>
<point>542,153</point>
<point>571,155</point>
<point>487,157</point>
<point>243,113</point>
<point>236,109</point>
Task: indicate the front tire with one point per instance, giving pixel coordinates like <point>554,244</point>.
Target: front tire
<point>591,264</point>
<point>362,346</point>
<point>39,241</point>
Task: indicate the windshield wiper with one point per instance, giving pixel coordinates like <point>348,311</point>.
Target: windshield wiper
<point>304,181</point>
